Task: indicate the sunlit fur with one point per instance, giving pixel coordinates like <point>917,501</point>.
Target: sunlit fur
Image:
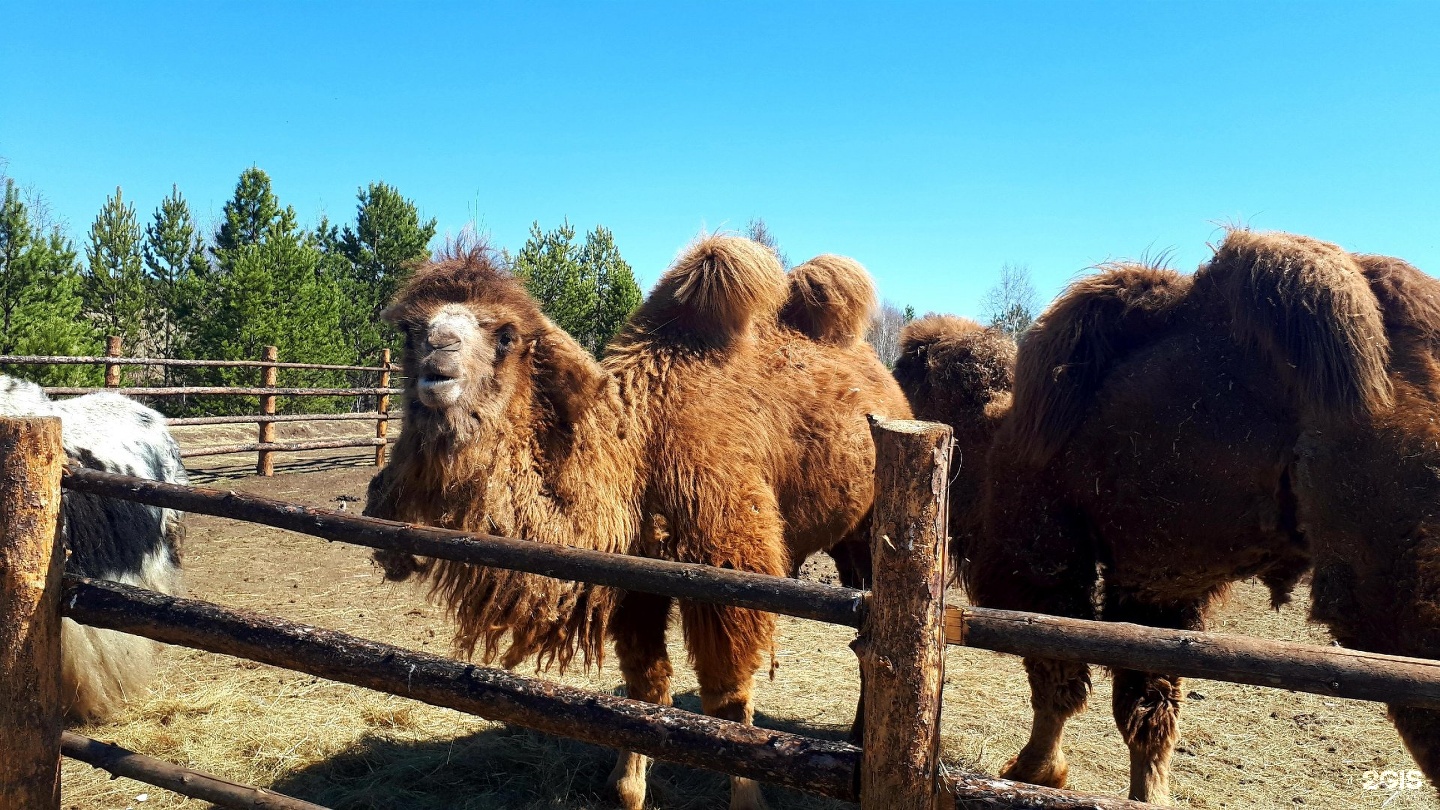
<point>1164,442</point>
<point>713,432</point>
<point>109,539</point>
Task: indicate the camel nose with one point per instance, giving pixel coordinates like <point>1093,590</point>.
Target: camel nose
<point>443,336</point>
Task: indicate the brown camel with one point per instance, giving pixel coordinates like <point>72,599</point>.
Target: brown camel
<point>1173,434</point>
<point>726,425</point>
<point>955,371</point>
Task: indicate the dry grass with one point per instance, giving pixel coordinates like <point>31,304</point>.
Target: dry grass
<point>344,747</point>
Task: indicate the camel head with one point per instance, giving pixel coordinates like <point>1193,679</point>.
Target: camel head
<point>477,346</point>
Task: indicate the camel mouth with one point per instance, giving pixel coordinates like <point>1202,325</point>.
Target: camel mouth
<point>438,390</point>
<point>435,378</point>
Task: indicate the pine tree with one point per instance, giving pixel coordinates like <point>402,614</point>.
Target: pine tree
<point>587,290</point>
<point>115,282</point>
<point>549,264</point>
<point>380,252</point>
<point>271,285</point>
<point>40,296</point>
<point>616,294</point>
<point>175,260</point>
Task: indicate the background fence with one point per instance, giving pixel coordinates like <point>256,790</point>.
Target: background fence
<point>267,391</point>
<point>903,626</point>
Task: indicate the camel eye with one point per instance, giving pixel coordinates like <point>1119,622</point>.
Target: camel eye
<point>504,340</point>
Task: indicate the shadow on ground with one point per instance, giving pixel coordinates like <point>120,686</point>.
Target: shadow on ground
<point>511,768</point>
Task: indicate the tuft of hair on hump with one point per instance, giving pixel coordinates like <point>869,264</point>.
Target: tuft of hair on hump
<point>831,299</point>
<point>1309,307</point>
<point>719,288</point>
<point>1070,348</point>
<point>954,370</point>
<point>467,269</point>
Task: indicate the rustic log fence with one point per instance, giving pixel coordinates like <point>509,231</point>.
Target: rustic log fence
<point>903,625</point>
<point>268,390</point>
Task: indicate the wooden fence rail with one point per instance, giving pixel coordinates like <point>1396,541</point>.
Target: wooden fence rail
<point>265,445</point>
<point>903,630</point>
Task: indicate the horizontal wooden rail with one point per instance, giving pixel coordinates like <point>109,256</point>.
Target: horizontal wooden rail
<point>971,791</point>
<point>119,761</point>
<point>817,766</point>
<point>63,360</point>
<point>1238,659</point>
<point>242,419</point>
<point>703,583</point>
<point>289,447</point>
<point>232,391</point>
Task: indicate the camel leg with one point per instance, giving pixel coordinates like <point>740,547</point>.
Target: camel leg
<point>1147,704</point>
<point>727,645</point>
<point>638,628</point>
<point>1058,690</point>
<point>1420,730</point>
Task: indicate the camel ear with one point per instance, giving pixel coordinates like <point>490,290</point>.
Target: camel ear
<point>567,379</point>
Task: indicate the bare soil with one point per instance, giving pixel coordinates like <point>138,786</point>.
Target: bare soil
<point>345,747</point>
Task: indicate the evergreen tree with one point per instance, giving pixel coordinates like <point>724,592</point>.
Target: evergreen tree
<point>175,262</point>
<point>380,253</point>
<point>271,285</point>
<point>616,293</point>
<point>549,264</point>
<point>40,296</point>
<point>115,282</point>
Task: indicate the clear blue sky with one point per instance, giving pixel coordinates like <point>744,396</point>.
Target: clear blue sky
<point>932,142</point>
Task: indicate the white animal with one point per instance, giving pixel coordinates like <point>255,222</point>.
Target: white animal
<point>110,539</point>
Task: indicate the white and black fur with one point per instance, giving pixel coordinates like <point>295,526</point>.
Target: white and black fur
<point>110,539</point>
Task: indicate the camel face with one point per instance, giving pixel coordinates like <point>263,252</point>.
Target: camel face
<point>454,353</point>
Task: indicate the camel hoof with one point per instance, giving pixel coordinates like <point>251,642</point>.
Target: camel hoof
<point>1053,773</point>
<point>628,782</point>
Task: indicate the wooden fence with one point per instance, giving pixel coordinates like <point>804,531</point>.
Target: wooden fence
<point>267,390</point>
<point>903,623</point>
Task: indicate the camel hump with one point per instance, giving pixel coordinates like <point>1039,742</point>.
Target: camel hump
<point>1066,354</point>
<point>952,368</point>
<point>831,300</point>
<point>1310,308</point>
<point>720,287</point>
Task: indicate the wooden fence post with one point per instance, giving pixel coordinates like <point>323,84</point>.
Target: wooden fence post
<point>902,643</point>
<point>112,370</point>
<point>265,465</point>
<point>31,559</point>
<point>382,405</point>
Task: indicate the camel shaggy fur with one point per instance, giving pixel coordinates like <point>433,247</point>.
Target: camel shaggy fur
<point>955,371</point>
<point>1173,434</point>
<point>726,425</point>
<point>109,539</point>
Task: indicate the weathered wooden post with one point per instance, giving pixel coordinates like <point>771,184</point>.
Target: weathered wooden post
<point>265,465</point>
<point>112,370</point>
<point>31,559</point>
<point>382,405</point>
<point>902,644</point>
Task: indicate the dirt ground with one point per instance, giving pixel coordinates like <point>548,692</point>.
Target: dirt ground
<point>345,747</point>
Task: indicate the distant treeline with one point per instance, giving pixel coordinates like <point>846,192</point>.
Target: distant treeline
<point>170,290</point>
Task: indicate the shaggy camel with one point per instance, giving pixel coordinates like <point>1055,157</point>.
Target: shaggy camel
<point>1171,435</point>
<point>955,371</point>
<point>731,411</point>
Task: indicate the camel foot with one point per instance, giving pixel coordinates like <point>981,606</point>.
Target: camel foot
<point>745,794</point>
<point>1049,772</point>
<point>628,781</point>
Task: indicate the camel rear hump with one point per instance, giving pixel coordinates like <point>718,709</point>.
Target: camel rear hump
<point>1065,355</point>
<point>1309,306</point>
<point>831,300</point>
<point>718,289</point>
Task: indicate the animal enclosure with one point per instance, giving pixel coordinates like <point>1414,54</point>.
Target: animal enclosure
<point>267,390</point>
<point>906,552</point>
